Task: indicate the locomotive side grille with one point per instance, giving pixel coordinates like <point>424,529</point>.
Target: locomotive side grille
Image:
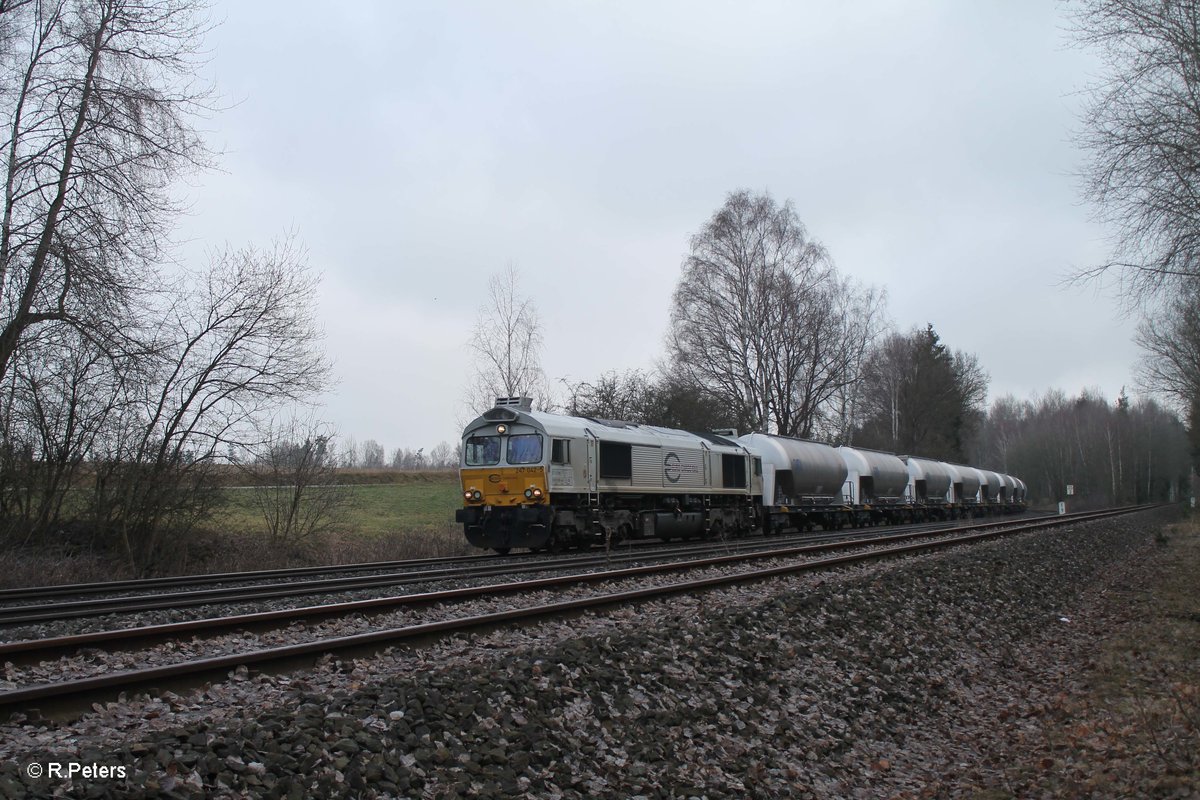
<point>647,466</point>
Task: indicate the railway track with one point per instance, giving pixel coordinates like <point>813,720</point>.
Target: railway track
<point>15,597</point>
<point>26,650</point>
<point>31,607</point>
<point>725,569</point>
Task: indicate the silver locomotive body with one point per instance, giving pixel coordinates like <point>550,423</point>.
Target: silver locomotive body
<point>597,481</point>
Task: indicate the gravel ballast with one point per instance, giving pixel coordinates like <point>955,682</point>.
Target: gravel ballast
<point>908,678</point>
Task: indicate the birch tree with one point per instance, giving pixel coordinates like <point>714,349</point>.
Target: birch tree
<point>507,345</point>
<point>98,112</point>
<point>1142,130</point>
<point>760,316</point>
<point>1170,343</point>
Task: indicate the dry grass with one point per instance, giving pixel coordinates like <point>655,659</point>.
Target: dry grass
<point>210,552</point>
<point>361,476</point>
<point>1148,675</point>
<point>238,476</point>
<point>1131,727</point>
<point>24,567</point>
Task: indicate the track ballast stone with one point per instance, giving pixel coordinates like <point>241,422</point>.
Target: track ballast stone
<point>897,679</point>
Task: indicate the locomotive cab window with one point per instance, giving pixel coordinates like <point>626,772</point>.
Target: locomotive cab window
<point>482,451</point>
<point>560,451</point>
<point>525,448</point>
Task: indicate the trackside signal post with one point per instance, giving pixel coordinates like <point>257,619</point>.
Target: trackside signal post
<point>1062,507</point>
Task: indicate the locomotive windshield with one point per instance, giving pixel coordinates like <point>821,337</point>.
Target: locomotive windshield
<point>525,448</point>
<point>482,451</point>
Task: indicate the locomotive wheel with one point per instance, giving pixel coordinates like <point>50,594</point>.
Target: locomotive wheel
<point>503,551</point>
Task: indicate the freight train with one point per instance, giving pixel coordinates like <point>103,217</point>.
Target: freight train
<point>542,481</point>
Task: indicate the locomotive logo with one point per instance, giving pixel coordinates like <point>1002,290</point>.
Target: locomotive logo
<point>671,467</point>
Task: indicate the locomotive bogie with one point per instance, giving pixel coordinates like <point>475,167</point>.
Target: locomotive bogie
<point>503,528</point>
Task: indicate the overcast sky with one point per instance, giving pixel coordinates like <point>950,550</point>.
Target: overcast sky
<point>418,148</point>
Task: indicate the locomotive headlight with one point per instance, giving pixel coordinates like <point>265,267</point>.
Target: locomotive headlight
<point>529,494</point>
<point>501,429</point>
<point>472,494</point>
<point>468,496</point>
<point>537,492</point>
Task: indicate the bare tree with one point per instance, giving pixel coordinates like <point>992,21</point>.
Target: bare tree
<point>919,397</point>
<point>61,391</point>
<point>442,457</point>
<point>652,399</point>
<point>855,319</point>
<point>404,458</point>
<point>372,454</point>
<point>1170,341</point>
<point>507,341</point>
<point>760,315</point>
<point>1001,432</point>
<point>238,341</point>
<point>1110,452</point>
<point>1143,133</point>
<point>98,126</point>
<point>350,457</point>
<point>294,470</point>
<point>627,396</point>
<point>882,393</point>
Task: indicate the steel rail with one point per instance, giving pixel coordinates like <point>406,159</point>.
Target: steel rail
<point>487,567</point>
<point>142,584</point>
<point>138,584</point>
<point>226,624</point>
<point>151,676</point>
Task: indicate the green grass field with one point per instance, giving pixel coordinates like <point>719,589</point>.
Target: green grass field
<point>425,502</point>
<point>388,515</point>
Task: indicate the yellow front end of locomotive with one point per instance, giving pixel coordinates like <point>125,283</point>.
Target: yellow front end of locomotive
<point>505,486</point>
